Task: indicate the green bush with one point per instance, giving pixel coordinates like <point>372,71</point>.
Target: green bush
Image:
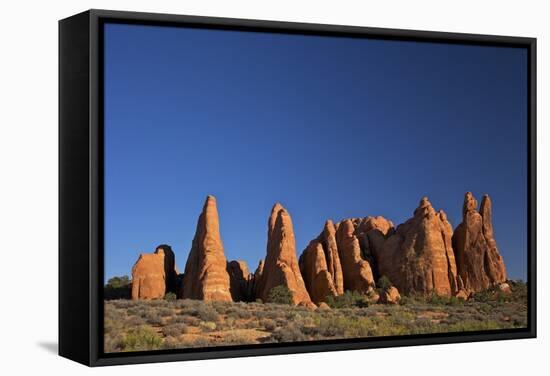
<point>348,299</point>
<point>438,299</point>
<point>118,282</point>
<point>384,283</point>
<point>280,295</point>
<point>141,338</point>
<point>170,297</point>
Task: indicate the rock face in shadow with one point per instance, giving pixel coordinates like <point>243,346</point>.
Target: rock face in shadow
<point>419,257</point>
<point>241,281</point>
<point>479,262</point>
<point>206,276</point>
<point>154,274</point>
<point>259,270</point>
<point>281,264</point>
<point>170,269</point>
<point>320,266</point>
<point>357,271</point>
<point>372,232</point>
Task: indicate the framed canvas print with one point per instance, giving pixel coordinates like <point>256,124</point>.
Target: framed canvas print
<point>238,187</point>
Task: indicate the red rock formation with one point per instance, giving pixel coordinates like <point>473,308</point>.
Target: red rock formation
<point>419,257</point>
<point>390,296</point>
<point>320,266</point>
<point>330,248</point>
<point>206,276</point>
<point>170,269</point>
<point>372,232</point>
<point>357,272</point>
<point>151,274</point>
<point>240,281</point>
<point>259,270</point>
<point>313,266</point>
<point>479,262</point>
<point>281,264</point>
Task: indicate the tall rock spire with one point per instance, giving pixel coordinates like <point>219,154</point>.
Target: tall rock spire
<point>281,264</point>
<point>357,272</point>
<point>320,266</point>
<point>479,262</point>
<point>206,275</point>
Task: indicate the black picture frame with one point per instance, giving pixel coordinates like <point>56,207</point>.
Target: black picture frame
<point>81,195</point>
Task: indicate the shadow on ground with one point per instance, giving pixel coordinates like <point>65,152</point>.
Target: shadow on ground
<point>50,347</point>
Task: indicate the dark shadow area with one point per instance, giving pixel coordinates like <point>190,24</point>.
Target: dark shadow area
<point>51,347</point>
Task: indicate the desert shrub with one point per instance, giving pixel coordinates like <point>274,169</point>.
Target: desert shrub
<point>470,325</point>
<point>249,324</point>
<point>437,299</point>
<point>174,330</point>
<point>255,306</point>
<point>482,296</point>
<point>170,297</point>
<point>495,295</point>
<point>207,314</point>
<point>384,283</point>
<point>122,303</point>
<point>177,319</point>
<point>290,333</point>
<point>405,300</point>
<point>170,343</point>
<point>187,304</point>
<point>197,342</point>
<point>280,321</point>
<point>519,291</point>
<point>290,315</point>
<point>268,324</point>
<point>280,295</point>
<point>239,313</point>
<point>271,314</point>
<point>229,323</point>
<point>141,338</point>
<point>145,312</point>
<point>348,299</point>
<point>222,307</point>
<point>191,321</point>
<point>208,326</point>
<point>262,314</point>
<point>233,338</point>
<point>166,312</point>
<point>153,318</point>
<point>138,310</point>
<point>347,326</point>
<point>134,321</point>
<point>454,301</point>
<point>112,343</point>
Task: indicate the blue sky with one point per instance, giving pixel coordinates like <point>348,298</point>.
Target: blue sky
<point>330,127</point>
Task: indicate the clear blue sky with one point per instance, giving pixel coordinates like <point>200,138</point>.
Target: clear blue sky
<point>330,127</point>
